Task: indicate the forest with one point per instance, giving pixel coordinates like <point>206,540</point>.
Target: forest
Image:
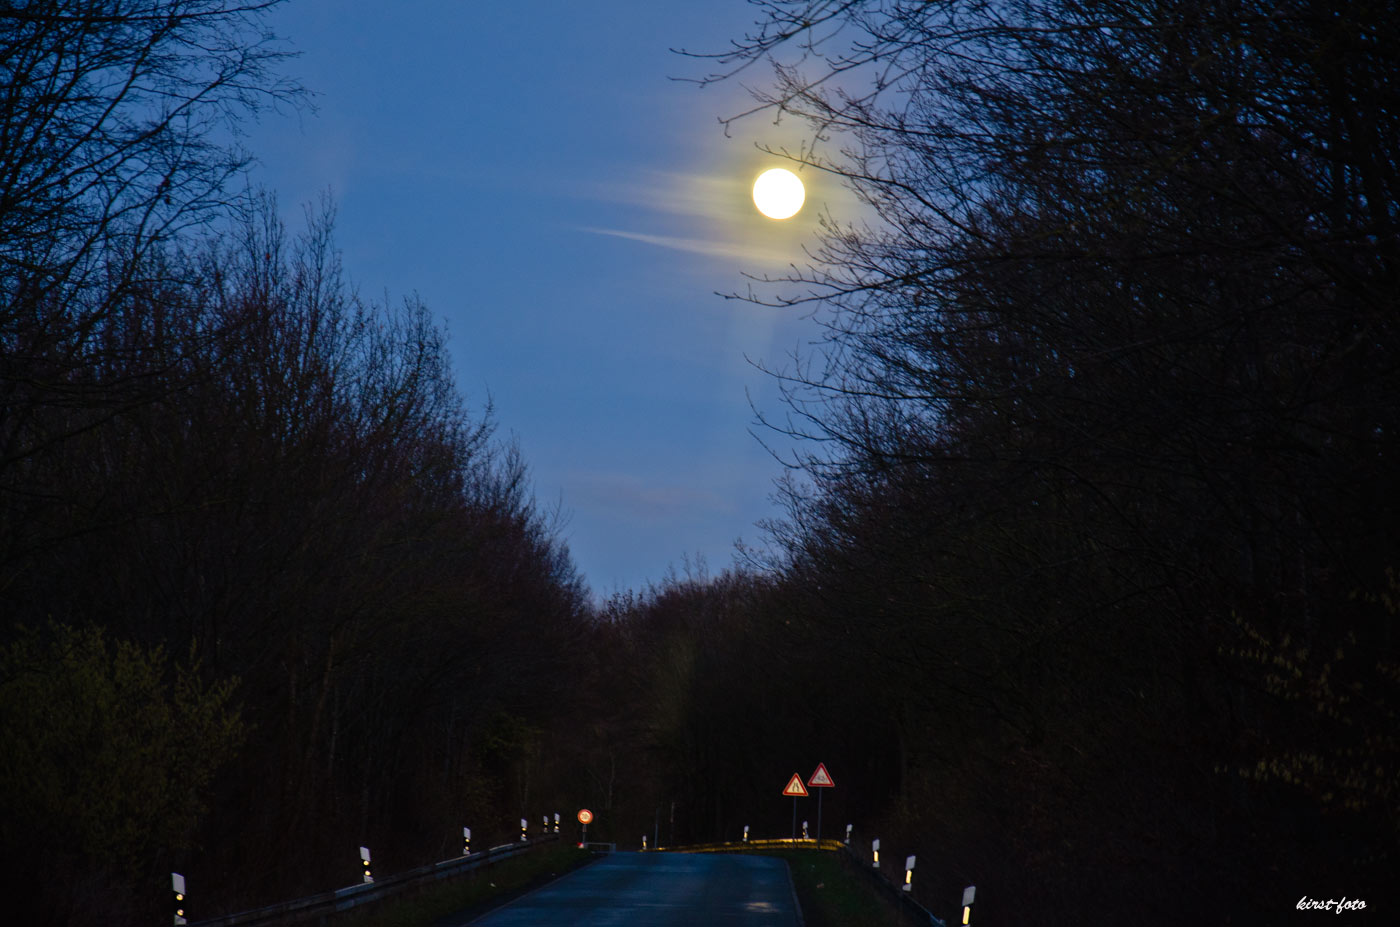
<point>1085,588</point>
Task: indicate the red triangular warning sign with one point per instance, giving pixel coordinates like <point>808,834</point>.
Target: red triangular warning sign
<point>821,779</point>
<point>795,787</point>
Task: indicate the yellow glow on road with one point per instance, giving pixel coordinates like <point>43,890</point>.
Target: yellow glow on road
<point>778,193</point>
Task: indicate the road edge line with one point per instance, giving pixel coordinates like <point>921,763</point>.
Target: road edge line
<point>792,887</point>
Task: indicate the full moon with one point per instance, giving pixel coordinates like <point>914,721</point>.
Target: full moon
<point>778,193</point>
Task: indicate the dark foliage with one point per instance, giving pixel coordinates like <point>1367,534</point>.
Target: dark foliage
<point>211,445</point>
<point>1101,472</point>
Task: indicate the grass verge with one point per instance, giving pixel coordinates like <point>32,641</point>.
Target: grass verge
<point>833,894</point>
<point>474,893</point>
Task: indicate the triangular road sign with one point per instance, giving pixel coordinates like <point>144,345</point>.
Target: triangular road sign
<point>795,787</point>
<point>821,779</point>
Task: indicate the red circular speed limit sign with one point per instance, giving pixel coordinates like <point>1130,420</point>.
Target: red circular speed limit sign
<point>585,816</point>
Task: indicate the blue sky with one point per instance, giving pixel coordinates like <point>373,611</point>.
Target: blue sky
<point>534,174</point>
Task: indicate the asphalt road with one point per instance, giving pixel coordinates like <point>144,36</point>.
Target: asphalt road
<point>659,890</point>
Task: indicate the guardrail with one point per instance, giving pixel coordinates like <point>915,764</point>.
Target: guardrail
<point>599,847</point>
<point>317,908</point>
<point>774,843</point>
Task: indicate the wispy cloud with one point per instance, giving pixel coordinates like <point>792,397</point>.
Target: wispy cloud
<point>718,249</point>
<point>628,495</point>
<point>693,195</point>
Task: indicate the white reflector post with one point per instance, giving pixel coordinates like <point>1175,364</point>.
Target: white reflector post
<point>364,862</point>
<point>969,894</point>
<point>848,834</point>
<point>556,822</point>
<point>177,884</point>
<point>746,833</point>
<point>875,852</point>
<point>466,841</point>
<point>909,874</point>
<point>524,831</point>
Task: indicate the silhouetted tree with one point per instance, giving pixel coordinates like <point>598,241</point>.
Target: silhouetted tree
<point>1100,376</point>
<point>113,125</point>
<point>209,439</point>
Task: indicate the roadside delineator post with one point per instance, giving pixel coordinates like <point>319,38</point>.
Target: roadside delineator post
<point>556,822</point>
<point>524,831</point>
<point>466,841</point>
<point>804,830</point>
<point>968,894</point>
<point>644,843</point>
<point>909,874</point>
<point>848,834</point>
<point>875,852</point>
<point>364,862</point>
<point>544,824</point>
<point>177,883</point>
<point>746,833</point>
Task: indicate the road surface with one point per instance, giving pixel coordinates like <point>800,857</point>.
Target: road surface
<point>658,890</point>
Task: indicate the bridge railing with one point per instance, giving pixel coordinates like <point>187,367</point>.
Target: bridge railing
<point>317,908</point>
<point>775,843</point>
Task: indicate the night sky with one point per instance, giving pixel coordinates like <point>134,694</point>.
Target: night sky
<point>537,175</point>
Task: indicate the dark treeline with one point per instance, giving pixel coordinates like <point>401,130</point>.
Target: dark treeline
<point>271,590</point>
<point>1085,589</point>
<point>1086,586</point>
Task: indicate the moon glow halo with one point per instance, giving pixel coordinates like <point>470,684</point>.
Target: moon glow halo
<point>778,193</point>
